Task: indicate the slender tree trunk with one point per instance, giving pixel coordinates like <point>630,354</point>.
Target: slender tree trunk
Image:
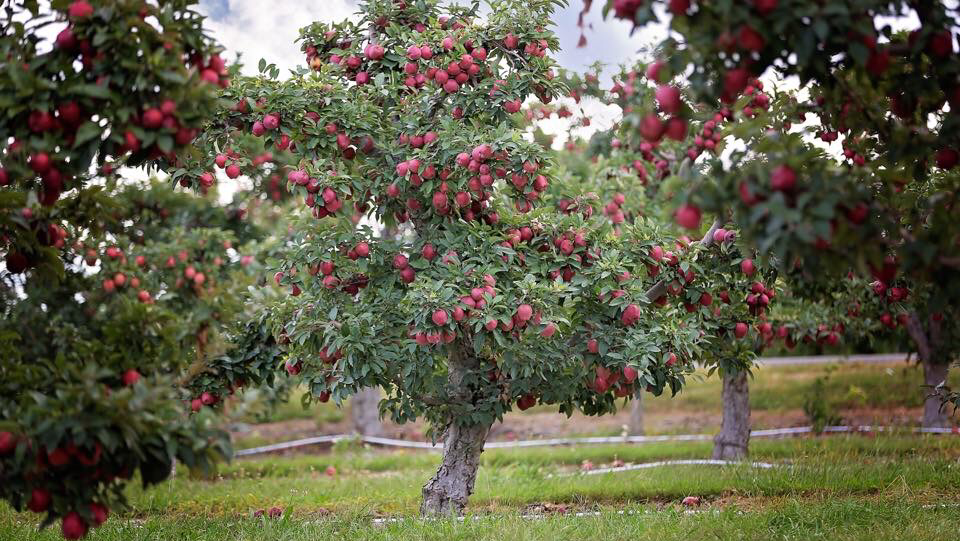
<point>934,410</point>
<point>365,412</point>
<point>732,443</point>
<point>635,428</point>
<point>933,357</point>
<point>447,492</point>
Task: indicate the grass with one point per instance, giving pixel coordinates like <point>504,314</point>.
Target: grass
<point>834,487</point>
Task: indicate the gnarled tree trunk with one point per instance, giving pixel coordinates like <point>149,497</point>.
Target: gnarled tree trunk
<point>934,410</point>
<point>365,412</point>
<point>732,443</point>
<point>447,492</point>
<point>635,427</point>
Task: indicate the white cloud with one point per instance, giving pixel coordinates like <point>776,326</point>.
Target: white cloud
<point>268,30</point>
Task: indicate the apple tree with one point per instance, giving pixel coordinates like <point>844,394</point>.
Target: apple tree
<point>877,78</point>
<point>98,329</point>
<point>493,294</point>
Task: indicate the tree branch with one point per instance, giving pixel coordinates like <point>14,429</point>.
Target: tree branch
<point>915,330</point>
<point>660,288</point>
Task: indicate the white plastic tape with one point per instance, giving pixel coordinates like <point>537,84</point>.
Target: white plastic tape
<point>766,433</point>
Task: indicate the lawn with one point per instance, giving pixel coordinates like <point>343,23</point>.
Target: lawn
<point>834,487</point>
<point>843,487</point>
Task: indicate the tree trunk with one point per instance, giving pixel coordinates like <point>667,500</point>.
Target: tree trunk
<point>934,410</point>
<point>635,428</point>
<point>446,493</point>
<point>732,443</point>
<point>365,412</point>
<point>930,350</point>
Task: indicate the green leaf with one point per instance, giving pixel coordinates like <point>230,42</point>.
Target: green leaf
<point>94,91</point>
<point>86,132</point>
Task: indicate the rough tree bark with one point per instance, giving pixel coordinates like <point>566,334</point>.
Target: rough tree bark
<point>635,427</point>
<point>935,368</point>
<point>732,443</point>
<point>447,492</point>
<point>934,411</point>
<point>365,412</point>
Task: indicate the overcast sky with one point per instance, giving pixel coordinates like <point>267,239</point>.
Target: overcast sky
<point>267,30</point>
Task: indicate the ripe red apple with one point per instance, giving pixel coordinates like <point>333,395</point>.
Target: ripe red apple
<point>73,526</point>
<point>740,329</point>
<point>947,158</point>
<point>80,9</point>
<point>687,216</point>
<point>8,442</point>
<point>764,7</point>
<point>131,377</point>
<point>440,317</point>
<point>524,312</point>
<point>152,118</point>
<point>233,170</point>
<point>631,314</point>
<point>668,97</point>
<point>747,267</point>
<point>549,330</point>
<point>428,252</point>
<point>651,127</point>
<point>671,359</point>
<point>362,249</point>
<point>208,399</point>
<point>39,500</point>
<point>196,404</point>
<point>783,178</point>
<point>593,346</point>
<point>629,374</point>
<point>99,513</point>
<point>330,471</point>
<point>526,402</point>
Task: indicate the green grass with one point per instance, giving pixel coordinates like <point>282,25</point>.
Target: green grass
<point>835,487</point>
